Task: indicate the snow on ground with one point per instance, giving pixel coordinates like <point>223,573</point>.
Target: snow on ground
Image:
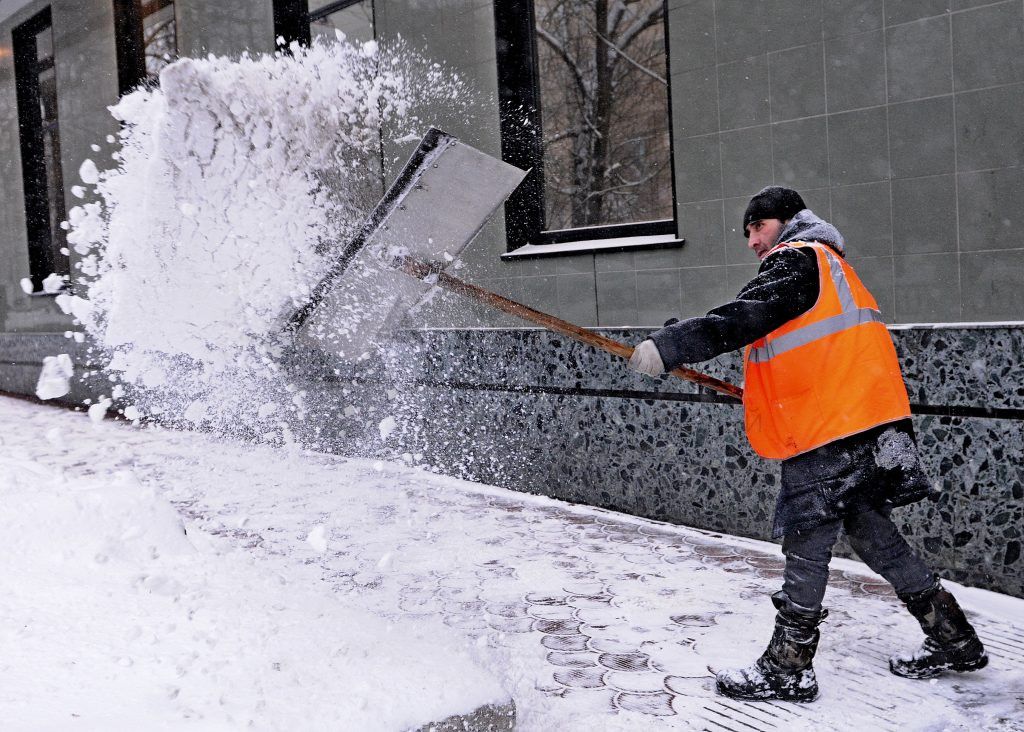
<point>114,618</point>
<point>316,592</point>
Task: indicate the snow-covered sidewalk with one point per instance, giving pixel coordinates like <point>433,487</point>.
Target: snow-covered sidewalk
<point>315,592</point>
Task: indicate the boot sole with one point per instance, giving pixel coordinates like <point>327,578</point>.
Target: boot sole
<point>935,671</point>
<point>770,696</point>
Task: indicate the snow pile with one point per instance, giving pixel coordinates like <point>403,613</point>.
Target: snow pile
<point>237,183</point>
<point>113,618</point>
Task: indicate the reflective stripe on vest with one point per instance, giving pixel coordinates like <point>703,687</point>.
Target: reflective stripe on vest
<point>813,332</point>
<point>851,317</point>
<point>828,373</point>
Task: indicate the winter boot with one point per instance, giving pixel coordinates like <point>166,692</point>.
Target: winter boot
<point>950,642</point>
<point>784,670</point>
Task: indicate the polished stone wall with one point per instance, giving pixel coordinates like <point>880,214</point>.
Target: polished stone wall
<point>528,410</point>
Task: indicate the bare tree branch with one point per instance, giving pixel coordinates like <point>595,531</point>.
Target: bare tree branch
<point>652,17</point>
<point>561,136</point>
<point>559,49</point>
<point>623,54</point>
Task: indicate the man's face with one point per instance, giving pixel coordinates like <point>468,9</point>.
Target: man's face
<point>762,235</point>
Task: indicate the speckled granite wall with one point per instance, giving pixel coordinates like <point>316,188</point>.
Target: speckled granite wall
<point>464,404</point>
<point>531,411</point>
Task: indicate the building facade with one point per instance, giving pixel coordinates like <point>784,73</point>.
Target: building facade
<point>648,126</point>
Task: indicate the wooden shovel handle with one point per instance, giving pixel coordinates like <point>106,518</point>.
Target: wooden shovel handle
<point>434,275</point>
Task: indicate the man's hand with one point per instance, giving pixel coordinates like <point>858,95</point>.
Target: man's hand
<point>646,359</point>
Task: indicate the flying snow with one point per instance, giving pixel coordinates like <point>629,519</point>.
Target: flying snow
<point>236,184</point>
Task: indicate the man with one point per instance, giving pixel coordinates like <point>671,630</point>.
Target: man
<point>824,394</point>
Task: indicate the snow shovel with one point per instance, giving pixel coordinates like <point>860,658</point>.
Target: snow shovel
<point>435,274</point>
<point>440,201</point>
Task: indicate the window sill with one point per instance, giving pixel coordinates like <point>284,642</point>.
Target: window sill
<point>595,246</point>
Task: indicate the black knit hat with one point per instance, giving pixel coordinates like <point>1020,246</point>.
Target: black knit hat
<point>772,202</point>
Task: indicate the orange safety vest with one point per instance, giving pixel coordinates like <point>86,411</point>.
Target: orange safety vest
<point>827,374</point>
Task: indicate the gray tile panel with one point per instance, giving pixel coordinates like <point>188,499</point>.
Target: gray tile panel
<point>743,92</point>
<point>746,160</point>
<point>863,213</point>
<point>858,146</point>
<point>924,215</point>
<point>657,294</point>
<point>738,275</point>
<point>616,298</point>
<point>577,298</point>
<point>876,274</point>
<point>614,261</point>
<point>992,285</point>
<point>988,46</point>
<point>847,17</point>
<point>667,258</point>
<point>741,26</point>
<point>800,153</point>
<point>701,289</point>
<point>991,214</point>
<point>855,71</point>
<point>691,35</point>
<point>698,168</point>
<point>921,137</point>
<point>702,225</point>
<point>990,133</point>
<point>929,290</point>
<point>540,292</point>
<point>571,264</point>
<point>918,59</point>
<point>819,201</point>
<point>736,251</point>
<point>792,23</point>
<point>902,11</point>
<point>797,77</point>
<point>695,102</point>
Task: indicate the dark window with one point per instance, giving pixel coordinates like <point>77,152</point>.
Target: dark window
<point>147,40</point>
<point>36,84</point>
<point>303,20</point>
<point>585,104</point>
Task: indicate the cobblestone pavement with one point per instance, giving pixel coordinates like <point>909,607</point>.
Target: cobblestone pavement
<point>595,619</point>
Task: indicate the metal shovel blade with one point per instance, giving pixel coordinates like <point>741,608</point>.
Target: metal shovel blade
<point>444,195</point>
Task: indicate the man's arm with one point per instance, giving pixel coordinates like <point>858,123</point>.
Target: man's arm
<point>785,286</point>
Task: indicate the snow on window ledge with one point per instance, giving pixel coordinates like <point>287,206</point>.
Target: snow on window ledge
<point>595,246</point>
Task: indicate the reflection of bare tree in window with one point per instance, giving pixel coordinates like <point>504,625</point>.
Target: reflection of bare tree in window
<point>604,103</point>
<point>159,34</point>
<point>355,21</point>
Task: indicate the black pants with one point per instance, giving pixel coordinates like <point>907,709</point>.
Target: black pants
<point>876,540</point>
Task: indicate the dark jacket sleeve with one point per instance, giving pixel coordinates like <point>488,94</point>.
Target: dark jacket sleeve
<point>786,286</point>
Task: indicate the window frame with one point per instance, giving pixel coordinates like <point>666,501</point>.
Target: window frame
<point>130,42</point>
<point>292,19</point>
<point>44,243</point>
<point>520,109</point>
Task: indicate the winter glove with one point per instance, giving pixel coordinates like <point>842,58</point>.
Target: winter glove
<point>646,359</point>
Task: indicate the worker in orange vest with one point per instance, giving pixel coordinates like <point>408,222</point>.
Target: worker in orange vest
<point>824,394</point>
